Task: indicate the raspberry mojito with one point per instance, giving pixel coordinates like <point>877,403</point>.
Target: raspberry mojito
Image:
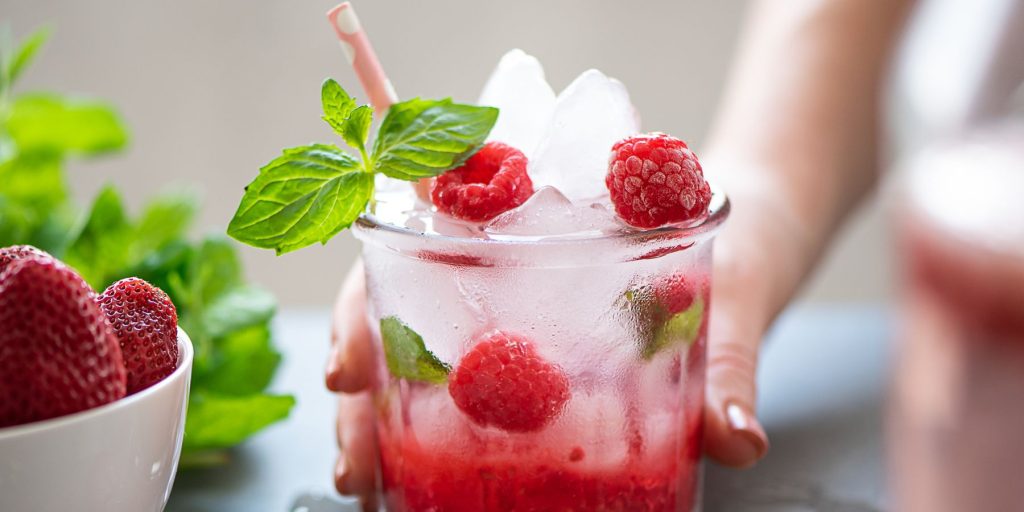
<point>539,308</point>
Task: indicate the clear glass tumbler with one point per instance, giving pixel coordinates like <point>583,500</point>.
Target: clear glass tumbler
<point>540,374</point>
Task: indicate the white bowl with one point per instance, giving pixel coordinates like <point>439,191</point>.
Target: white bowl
<point>120,457</point>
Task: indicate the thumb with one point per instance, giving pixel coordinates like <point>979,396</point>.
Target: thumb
<point>733,435</point>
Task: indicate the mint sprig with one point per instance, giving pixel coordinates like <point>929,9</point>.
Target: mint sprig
<point>306,195</point>
<point>311,193</point>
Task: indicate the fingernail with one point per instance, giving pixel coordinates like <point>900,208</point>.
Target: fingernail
<point>341,474</point>
<point>333,372</point>
<point>744,423</point>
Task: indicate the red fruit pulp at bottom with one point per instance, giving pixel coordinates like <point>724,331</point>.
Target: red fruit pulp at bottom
<point>459,483</point>
<point>472,470</point>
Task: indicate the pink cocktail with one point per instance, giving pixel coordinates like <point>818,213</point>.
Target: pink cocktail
<point>564,372</point>
<point>955,412</point>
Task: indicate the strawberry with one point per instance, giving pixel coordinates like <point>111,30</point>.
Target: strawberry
<point>14,253</point>
<point>58,354</point>
<point>146,324</point>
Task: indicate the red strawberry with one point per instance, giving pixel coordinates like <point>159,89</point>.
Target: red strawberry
<point>13,253</point>
<point>58,354</point>
<point>503,382</point>
<point>146,324</point>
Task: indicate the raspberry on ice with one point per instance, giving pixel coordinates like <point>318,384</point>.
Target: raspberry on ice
<point>491,182</point>
<point>503,382</point>
<point>654,180</point>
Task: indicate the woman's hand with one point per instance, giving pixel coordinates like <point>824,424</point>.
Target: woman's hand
<point>794,146</point>
<point>348,373</point>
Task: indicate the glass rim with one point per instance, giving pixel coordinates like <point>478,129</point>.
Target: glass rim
<point>718,210</point>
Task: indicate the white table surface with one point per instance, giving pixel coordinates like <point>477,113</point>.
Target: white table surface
<point>822,384</point>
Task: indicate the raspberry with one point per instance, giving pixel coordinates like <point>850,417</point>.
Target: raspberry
<point>676,293</point>
<point>660,311</point>
<point>503,382</point>
<point>655,180</point>
<point>146,325</point>
<point>491,182</point>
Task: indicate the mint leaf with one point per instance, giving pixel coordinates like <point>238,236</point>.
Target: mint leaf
<point>357,128</point>
<point>305,196</point>
<point>99,248</point>
<point>21,58</point>
<point>219,421</point>
<point>244,363</point>
<point>165,219</point>
<point>164,265</point>
<point>238,309</point>
<point>211,270</point>
<point>422,138</point>
<point>407,356</point>
<point>337,105</point>
<point>34,181</point>
<point>347,120</point>
<point>215,269</point>
<point>50,123</point>
<point>683,327</point>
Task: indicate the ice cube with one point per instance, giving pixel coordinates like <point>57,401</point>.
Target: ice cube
<point>549,213</point>
<point>590,115</point>
<point>602,416</point>
<point>383,184</point>
<point>518,88</point>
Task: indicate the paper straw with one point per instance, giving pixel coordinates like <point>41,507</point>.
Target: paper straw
<point>361,56</point>
<point>371,75</point>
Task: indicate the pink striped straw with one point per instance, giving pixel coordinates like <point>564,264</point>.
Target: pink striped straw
<point>371,75</point>
<point>361,56</point>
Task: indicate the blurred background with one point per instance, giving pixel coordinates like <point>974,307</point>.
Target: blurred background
<point>212,90</point>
